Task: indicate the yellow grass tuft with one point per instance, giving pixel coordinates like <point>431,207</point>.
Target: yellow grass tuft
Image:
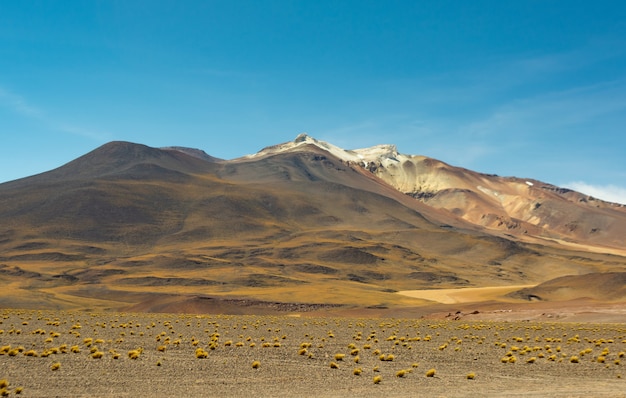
<point>378,379</point>
<point>401,373</point>
<point>431,372</point>
<point>256,365</point>
<point>97,355</point>
<point>201,353</point>
<point>55,366</point>
<point>134,354</point>
<point>333,365</point>
<point>357,371</point>
<point>471,376</point>
<point>574,359</point>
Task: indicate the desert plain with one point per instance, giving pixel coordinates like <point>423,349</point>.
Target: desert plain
<point>80,354</point>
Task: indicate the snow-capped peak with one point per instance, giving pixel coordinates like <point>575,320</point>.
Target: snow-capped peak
<point>364,155</point>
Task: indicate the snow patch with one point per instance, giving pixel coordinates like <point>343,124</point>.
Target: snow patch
<point>380,153</point>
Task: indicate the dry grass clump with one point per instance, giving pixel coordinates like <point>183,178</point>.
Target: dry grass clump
<point>333,365</point>
<point>357,371</point>
<point>339,357</point>
<point>97,354</point>
<point>201,353</point>
<point>55,366</point>
<point>431,372</point>
<point>134,354</point>
<point>470,376</point>
<point>256,365</point>
<point>401,373</point>
<point>378,379</point>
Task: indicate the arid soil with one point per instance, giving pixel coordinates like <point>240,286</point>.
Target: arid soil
<point>49,354</point>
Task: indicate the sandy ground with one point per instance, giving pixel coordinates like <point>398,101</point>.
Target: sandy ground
<point>295,356</point>
<point>463,295</point>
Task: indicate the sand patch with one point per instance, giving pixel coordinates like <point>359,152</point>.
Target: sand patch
<point>463,295</point>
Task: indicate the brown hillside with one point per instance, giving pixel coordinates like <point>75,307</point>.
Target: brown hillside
<point>132,227</point>
<point>608,286</point>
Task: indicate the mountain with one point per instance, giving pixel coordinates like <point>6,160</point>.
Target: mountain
<point>299,226</point>
<point>523,207</point>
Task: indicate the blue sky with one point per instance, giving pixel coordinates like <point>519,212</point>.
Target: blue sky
<point>531,89</point>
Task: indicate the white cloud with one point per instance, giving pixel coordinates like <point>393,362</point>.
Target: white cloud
<point>610,193</point>
<point>18,104</point>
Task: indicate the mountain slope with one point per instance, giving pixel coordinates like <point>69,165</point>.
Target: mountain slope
<point>128,226</point>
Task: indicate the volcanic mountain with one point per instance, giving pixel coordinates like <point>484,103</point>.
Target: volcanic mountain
<point>296,227</point>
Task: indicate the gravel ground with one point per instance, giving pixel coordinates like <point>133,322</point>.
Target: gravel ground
<point>295,356</point>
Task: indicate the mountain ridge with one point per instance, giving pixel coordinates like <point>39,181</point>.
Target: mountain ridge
<point>305,222</point>
<point>457,190</point>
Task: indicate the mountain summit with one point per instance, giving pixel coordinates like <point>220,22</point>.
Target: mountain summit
<point>526,208</point>
<point>302,226</point>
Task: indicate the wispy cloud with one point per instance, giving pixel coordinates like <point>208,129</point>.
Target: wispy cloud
<point>19,105</point>
<point>549,111</point>
<point>610,193</point>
